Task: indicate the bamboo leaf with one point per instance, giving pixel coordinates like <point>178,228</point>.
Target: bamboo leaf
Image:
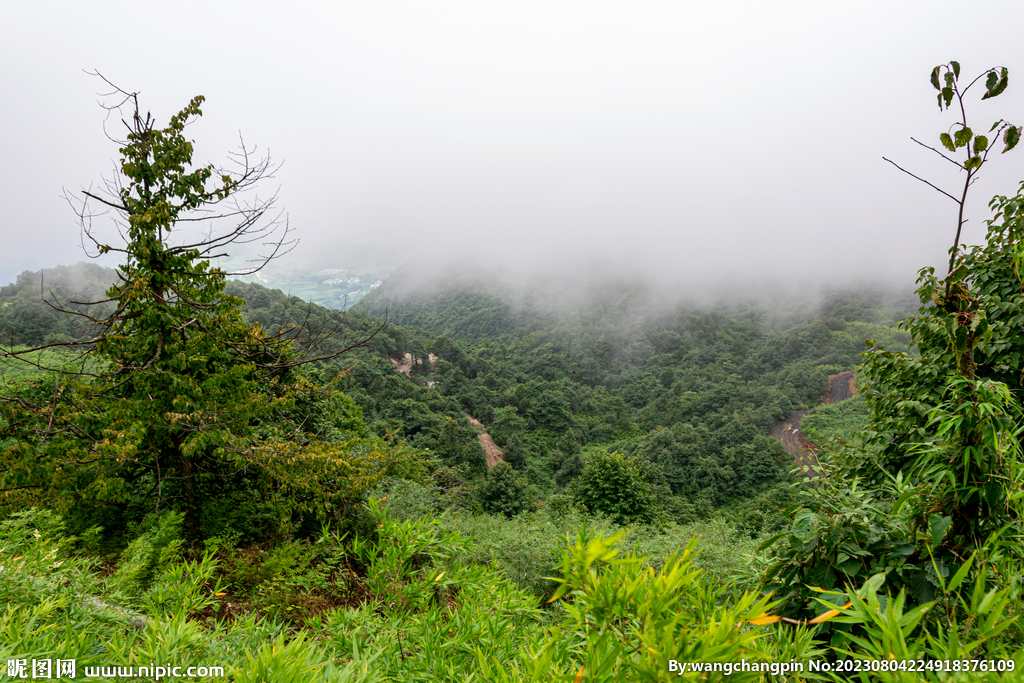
<point>831,614</point>
<point>761,621</point>
<point>960,575</point>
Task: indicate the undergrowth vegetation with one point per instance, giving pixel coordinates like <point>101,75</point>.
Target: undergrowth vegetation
<point>419,602</point>
<point>414,599</point>
<point>826,424</point>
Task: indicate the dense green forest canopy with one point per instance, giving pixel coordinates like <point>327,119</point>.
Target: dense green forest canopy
<point>40,306</point>
<point>692,392</point>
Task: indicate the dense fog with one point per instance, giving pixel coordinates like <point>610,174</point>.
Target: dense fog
<point>736,143</point>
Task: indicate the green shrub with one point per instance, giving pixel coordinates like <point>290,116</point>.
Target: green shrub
<point>242,510</point>
<point>183,588</point>
<point>405,499</point>
<point>615,485</point>
<point>827,423</point>
<point>571,468</point>
<point>504,491</point>
<point>281,661</point>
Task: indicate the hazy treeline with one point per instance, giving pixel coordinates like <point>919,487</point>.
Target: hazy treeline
<point>41,306</point>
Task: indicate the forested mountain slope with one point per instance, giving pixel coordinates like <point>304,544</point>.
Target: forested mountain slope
<point>462,303</point>
<point>40,306</point>
<point>691,392</point>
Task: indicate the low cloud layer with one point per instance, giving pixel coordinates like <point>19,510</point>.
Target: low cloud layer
<point>737,143</point>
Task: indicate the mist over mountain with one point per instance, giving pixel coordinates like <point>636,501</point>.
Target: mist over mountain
<point>721,141</point>
<point>464,295</point>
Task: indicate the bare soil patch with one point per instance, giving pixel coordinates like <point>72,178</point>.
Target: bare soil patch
<point>494,454</point>
<point>795,443</point>
<point>404,365</point>
<point>840,388</point>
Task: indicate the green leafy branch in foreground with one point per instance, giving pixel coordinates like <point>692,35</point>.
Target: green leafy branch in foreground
<point>946,79</point>
<point>940,476</point>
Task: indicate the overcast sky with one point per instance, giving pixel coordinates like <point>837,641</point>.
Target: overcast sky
<point>709,137</point>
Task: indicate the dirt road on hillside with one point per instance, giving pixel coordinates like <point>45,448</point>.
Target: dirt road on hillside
<point>840,388</point>
<point>494,454</point>
<point>795,443</point>
<point>788,432</point>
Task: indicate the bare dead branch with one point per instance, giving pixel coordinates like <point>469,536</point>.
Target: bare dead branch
<point>922,180</point>
<point>937,151</point>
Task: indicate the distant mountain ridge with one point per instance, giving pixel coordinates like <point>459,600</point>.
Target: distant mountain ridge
<point>473,303</point>
<point>30,307</point>
<point>461,299</point>
<point>461,304</point>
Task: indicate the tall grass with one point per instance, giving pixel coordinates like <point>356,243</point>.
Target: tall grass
<point>419,612</point>
<point>526,548</point>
